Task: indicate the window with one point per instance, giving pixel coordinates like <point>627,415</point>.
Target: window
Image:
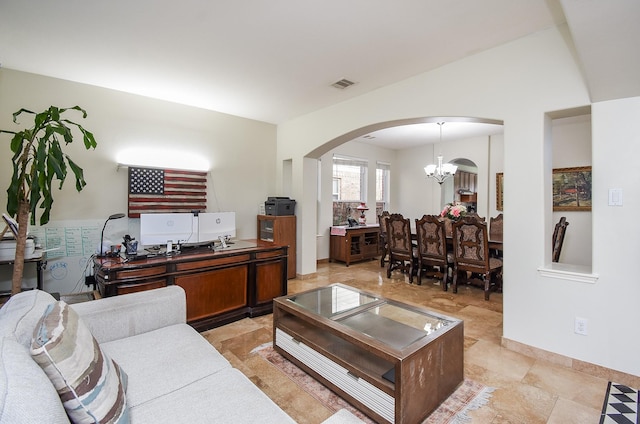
<point>349,187</point>
<point>383,172</point>
<point>336,188</point>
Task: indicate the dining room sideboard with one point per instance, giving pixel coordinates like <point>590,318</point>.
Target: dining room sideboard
<point>353,244</point>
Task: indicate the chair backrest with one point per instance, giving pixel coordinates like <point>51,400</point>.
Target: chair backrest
<point>382,220</point>
<point>470,244</point>
<point>495,228</point>
<point>432,241</point>
<point>448,226</point>
<point>476,216</point>
<point>399,234</point>
<point>558,238</point>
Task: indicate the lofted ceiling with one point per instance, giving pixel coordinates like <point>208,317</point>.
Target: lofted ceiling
<point>273,61</point>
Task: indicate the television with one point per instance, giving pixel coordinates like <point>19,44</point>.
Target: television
<point>213,225</point>
<point>159,228</point>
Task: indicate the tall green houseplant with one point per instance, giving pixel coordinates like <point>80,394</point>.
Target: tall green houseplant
<point>38,159</point>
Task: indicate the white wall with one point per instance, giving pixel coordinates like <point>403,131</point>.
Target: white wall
<point>241,153</point>
<point>518,83</point>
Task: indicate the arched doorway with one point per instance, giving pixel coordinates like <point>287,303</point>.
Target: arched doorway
<point>463,187</point>
<point>424,196</point>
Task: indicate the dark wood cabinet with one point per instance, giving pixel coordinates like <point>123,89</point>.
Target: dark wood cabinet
<point>221,286</point>
<point>280,230</point>
<point>352,244</point>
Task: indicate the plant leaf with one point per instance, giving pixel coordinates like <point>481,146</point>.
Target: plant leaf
<point>80,182</point>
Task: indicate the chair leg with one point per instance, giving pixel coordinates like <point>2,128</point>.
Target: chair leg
<point>445,277</point>
<point>487,286</point>
<point>454,288</point>
<point>384,255</point>
<point>410,272</point>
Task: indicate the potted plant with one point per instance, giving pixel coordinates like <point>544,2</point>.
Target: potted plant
<point>38,159</point>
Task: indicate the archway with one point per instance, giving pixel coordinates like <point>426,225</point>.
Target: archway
<point>372,128</point>
<point>463,187</point>
<point>416,186</point>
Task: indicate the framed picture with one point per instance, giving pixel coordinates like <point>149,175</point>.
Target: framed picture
<point>572,189</point>
<point>499,190</point>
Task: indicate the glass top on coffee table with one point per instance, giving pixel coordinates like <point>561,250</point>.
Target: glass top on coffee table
<point>395,324</point>
<point>331,300</point>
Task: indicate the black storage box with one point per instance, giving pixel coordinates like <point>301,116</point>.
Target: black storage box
<point>278,206</point>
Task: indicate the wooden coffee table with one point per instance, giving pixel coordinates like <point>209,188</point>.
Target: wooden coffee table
<point>393,361</point>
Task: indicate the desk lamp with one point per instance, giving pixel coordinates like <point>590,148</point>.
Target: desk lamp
<point>114,216</point>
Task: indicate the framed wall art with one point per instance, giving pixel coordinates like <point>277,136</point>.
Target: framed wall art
<point>499,190</point>
<point>572,189</point>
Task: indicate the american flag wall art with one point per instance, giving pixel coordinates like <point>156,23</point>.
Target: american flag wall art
<point>166,190</point>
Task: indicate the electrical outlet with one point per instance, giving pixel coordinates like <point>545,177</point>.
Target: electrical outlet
<point>581,326</point>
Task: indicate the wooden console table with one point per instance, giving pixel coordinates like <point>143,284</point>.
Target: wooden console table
<point>221,286</point>
<point>393,361</point>
<point>351,244</point>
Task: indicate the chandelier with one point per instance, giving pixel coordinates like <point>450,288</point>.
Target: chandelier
<point>441,171</point>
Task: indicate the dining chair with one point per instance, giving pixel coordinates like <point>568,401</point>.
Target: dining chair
<point>476,216</point>
<point>471,255</point>
<point>448,226</point>
<point>432,249</point>
<point>558,238</point>
<point>495,233</point>
<point>495,228</point>
<point>384,245</point>
<point>402,254</point>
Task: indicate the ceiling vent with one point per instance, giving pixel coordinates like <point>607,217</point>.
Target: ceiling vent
<point>342,84</point>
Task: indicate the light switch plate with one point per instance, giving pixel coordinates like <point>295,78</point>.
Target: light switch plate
<point>615,197</point>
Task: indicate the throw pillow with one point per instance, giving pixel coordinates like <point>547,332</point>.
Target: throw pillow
<point>90,384</point>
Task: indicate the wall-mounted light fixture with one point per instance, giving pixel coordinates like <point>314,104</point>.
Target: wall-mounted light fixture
<point>162,158</point>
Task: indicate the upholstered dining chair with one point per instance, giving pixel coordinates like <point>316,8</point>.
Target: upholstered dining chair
<point>471,255</point>
<point>495,228</point>
<point>558,238</point>
<point>476,216</point>
<point>448,226</point>
<point>495,233</point>
<point>402,254</point>
<point>384,245</point>
<point>432,249</point>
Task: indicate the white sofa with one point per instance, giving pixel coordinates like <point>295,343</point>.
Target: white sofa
<point>174,374</point>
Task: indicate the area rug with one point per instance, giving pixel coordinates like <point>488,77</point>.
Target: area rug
<point>469,396</point>
<point>620,405</point>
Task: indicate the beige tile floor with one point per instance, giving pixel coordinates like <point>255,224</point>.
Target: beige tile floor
<point>527,390</point>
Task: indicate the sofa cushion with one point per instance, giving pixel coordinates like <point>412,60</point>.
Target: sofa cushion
<point>91,385</point>
<point>164,360</point>
<point>21,313</point>
<point>225,397</point>
<point>26,394</point>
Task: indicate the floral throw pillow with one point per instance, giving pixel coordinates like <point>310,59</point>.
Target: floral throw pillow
<point>90,384</point>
